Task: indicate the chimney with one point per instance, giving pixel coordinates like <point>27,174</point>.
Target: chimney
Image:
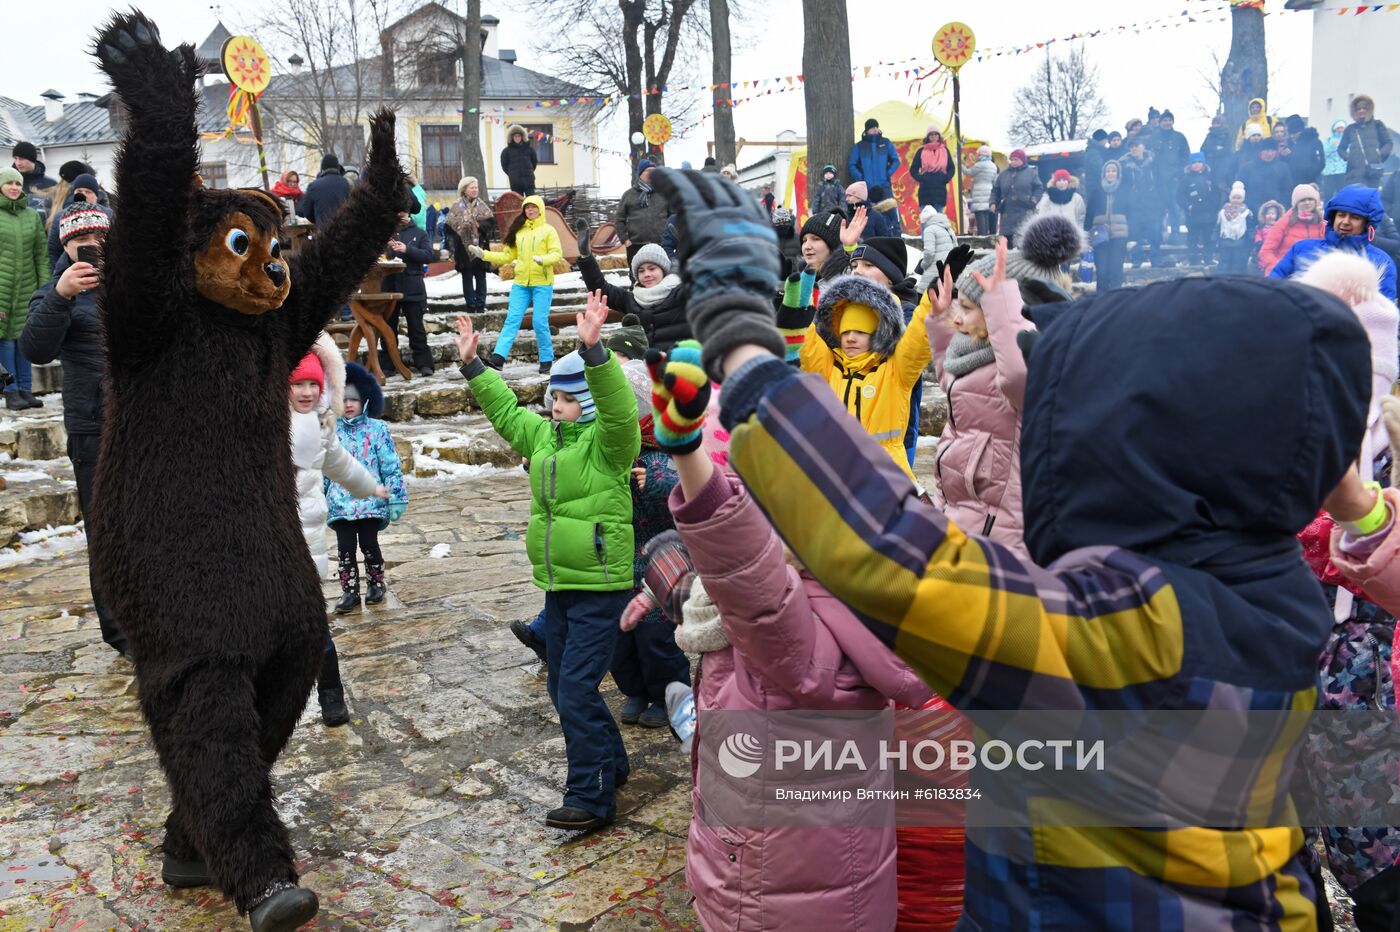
<point>490,44</point>
<point>53,105</point>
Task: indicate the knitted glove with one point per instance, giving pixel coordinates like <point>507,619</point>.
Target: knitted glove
<point>539,260</point>
<point>396,510</point>
<point>956,260</point>
<point>585,248</point>
<point>795,314</point>
<point>730,260</point>
<point>680,393</point>
<point>642,605</point>
<point>476,252</point>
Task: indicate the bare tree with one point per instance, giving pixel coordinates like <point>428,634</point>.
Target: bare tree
<point>1060,103</point>
<point>473,163</point>
<point>629,46</point>
<point>1246,72</point>
<point>323,108</point>
<point>826,69</point>
<point>720,74</point>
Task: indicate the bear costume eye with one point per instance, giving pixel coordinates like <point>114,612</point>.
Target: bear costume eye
<point>237,242</point>
<point>276,249</point>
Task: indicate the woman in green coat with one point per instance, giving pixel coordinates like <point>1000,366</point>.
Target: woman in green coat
<point>24,266</point>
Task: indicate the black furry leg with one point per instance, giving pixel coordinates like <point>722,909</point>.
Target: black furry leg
<point>207,732</point>
<point>284,685</point>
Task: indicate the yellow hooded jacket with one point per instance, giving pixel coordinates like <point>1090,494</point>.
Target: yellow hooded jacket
<point>875,385</point>
<point>1264,121</point>
<point>536,239</point>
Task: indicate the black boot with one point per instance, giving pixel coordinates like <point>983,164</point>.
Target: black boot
<point>495,361</point>
<point>349,584</point>
<point>29,399</point>
<point>283,907</point>
<point>377,589</point>
<point>330,692</point>
<point>178,873</point>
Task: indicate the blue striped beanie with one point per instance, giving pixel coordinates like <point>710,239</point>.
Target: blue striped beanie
<point>566,375</point>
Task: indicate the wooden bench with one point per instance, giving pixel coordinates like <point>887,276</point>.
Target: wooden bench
<point>372,311</point>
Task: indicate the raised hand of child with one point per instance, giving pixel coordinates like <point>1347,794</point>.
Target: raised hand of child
<point>851,230</point>
<point>998,271</point>
<point>466,338</point>
<point>591,318</point>
<point>680,393</point>
<point>940,296</point>
<point>396,510</point>
<point>640,607</point>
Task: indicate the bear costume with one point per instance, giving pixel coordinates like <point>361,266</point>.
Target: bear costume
<point>194,536</point>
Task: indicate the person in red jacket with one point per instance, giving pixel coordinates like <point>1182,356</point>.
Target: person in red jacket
<point>1303,221</point>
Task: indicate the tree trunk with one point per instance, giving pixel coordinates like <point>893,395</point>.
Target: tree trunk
<point>1246,72</point>
<point>473,163</point>
<point>719,76</point>
<point>826,68</point>
<point>631,39</point>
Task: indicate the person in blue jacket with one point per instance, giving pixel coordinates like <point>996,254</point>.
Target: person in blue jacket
<point>1353,215</point>
<point>873,159</point>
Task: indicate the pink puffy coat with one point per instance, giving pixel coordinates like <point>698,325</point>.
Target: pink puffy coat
<point>792,646</point>
<point>978,464</point>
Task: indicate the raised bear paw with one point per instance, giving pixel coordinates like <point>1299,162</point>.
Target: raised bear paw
<point>130,51</point>
<point>381,137</point>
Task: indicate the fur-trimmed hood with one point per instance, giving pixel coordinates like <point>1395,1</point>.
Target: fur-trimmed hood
<point>848,289</point>
<point>371,395</point>
<point>514,128</point>
<point>332,403</point>
<point>888,203</point>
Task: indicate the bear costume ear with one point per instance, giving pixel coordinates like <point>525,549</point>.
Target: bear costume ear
<point>263,195</point>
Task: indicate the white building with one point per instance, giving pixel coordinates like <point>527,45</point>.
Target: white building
<point>762,165</point>
<point>419,74</point>
<point>1352,54</point>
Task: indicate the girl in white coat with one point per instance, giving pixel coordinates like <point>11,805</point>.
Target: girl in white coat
<point>317,396</point>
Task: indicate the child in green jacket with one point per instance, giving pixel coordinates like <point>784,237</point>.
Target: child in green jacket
<point>579,541</point>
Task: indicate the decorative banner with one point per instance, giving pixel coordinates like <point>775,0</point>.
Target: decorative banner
<point>1358,10</point>
<point>657,129</point>
<point>953,45</point>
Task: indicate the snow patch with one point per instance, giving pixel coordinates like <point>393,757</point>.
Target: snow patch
<point>44,544</point>
<point>440,551</point>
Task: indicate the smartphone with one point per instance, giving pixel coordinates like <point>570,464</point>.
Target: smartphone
<point>92,255</point>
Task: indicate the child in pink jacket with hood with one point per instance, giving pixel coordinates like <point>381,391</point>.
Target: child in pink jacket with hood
<point>982,371</point>
<point>790,645</point>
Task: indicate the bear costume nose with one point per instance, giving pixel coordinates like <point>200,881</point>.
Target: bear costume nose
<point>276,272</point>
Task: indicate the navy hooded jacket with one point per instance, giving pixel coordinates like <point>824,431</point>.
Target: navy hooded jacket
<point>1354,199</point>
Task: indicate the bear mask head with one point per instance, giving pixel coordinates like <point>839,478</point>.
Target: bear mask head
<point>238,260</point>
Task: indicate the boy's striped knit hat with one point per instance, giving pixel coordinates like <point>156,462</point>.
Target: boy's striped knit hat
<point>566,375</point>
<point>81,217</point>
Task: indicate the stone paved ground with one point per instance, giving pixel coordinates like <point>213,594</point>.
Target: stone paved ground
<point>424,813</point>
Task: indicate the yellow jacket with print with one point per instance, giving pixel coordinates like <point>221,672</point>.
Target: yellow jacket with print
<point>874,386</point>
<point>536,239</point>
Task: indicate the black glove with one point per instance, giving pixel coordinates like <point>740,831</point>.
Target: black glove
<point>581,234</point>
<point>956,260</point>
<point>729,256</point>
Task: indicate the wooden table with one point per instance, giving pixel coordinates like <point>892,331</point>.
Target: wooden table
<point>296,233</point>
<point>372,307</point>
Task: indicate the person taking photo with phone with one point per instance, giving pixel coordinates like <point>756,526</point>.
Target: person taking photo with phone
<point>65,324</point>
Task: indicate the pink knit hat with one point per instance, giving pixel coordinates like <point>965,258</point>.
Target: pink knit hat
<point>1303,191</point>
<point>309,369</point>
<point>859,190</point>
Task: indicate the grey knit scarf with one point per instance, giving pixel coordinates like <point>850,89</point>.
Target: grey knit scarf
<point>967,353</point>
<point>643,194</point>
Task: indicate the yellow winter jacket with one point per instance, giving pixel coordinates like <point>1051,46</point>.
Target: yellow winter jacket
<point>874,386</point>
<point>536,239</point>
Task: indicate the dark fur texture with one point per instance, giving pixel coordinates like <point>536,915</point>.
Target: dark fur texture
<point>857,290</point>
<point>194,535</point>
<point>1049,241</point>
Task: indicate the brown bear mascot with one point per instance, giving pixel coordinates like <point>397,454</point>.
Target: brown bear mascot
<point>194,535</point>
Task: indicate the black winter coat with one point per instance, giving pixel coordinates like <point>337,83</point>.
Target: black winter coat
<point>1094,157</point>
<point>324,196</point>
<point>1199,196</point>
<point>462,260</point>
<point>1170,153</point>
<point>664,321</point>
<point>933,186</point>
<point>518,161</point>
<point>1265,181</point>
<point>1015,194</point>
<point>1219,150</point>
<point>1307,159</point>
<point>1140,191</point>
<point>70,331</point>
<point>419,252</point>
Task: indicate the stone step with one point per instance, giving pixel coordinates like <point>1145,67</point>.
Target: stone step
<point>33,506</point>
<point>36,438</point>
